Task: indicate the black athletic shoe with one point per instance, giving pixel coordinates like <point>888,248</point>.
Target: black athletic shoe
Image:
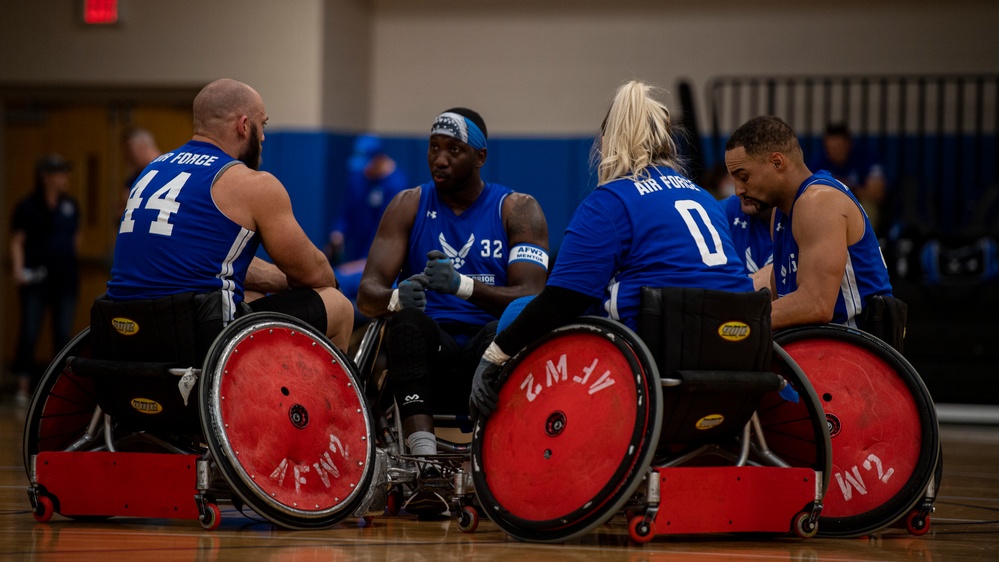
<point>426,502</point>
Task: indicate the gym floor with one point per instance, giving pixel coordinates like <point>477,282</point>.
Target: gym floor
<point>964,527</point>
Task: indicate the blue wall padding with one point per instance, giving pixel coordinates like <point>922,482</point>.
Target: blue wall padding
<point>557,172</point>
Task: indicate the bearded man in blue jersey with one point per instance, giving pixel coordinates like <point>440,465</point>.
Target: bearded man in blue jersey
<point>196,215</point>
<point>827,264</point>
<point>461,250</point>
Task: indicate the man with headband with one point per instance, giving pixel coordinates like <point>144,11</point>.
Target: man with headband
<point>448,257</point>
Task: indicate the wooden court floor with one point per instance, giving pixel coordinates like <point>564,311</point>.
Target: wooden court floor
<point>964,527</point>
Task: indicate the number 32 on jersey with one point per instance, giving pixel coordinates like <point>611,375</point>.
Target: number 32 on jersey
<point>163,199</point>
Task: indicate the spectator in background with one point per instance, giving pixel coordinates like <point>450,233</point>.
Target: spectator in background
<point>718,182</point>
<point>139,148</point>
<point>854,167</point>
<point>45,239</point>
<point>373,179</point>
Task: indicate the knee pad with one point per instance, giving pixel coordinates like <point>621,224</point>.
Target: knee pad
<point>412,341</point>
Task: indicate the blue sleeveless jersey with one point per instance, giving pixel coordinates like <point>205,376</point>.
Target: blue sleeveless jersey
<point>866,274</point>
<point>173,239</point>
<point>750,236</point>
<point>663,231</point>
<point>475,241</point>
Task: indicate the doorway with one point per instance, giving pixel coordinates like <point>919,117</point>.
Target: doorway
<point>85,127</point>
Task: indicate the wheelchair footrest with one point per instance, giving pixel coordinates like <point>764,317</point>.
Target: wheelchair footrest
<point>734,499</point>
<point>100,484</point>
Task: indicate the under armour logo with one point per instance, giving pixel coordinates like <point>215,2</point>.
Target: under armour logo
<point>742,223</point>
<point>457,256</point>
<point>780,225</point>
<point>432,214</point>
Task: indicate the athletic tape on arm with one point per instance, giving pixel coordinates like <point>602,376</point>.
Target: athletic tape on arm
<point>394,305</point>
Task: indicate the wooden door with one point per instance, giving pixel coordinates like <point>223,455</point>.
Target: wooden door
<point>89,135</point>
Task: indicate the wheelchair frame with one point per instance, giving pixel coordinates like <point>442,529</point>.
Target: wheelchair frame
<point>187,475</point>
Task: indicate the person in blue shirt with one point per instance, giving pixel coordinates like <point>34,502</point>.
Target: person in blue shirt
<point>750,229</point>
<point>461,250</point>
<point>196,215</point>
<point>373,179</point>
<point>827,263</point>
<point>645,224</point>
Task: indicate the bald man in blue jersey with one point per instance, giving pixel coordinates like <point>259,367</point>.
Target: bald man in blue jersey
<point>196,215</point>
<point>827,263</point>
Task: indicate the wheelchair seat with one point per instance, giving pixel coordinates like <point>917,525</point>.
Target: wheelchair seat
<point>146,356</point>
<point>713,349</point>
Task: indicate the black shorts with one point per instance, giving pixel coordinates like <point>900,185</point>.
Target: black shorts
<point>304,304</point>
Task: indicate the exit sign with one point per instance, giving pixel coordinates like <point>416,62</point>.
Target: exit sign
<point>100,12</point>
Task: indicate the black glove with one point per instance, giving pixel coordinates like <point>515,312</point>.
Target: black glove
<point>485,392</point>
<point>440,271</point>
<point>412,292</point>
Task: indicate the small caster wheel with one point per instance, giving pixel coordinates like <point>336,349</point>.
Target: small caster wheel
<point>803,527</point>
<point>468,519</point>
<point>393,503</point>
<point>211,518</point>
<point>43,509</point>
<point>367,521</point>
<point>917,525</point>
<point>641,530</point>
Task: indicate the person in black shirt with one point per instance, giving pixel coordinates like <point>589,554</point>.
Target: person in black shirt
<point>45,239</point>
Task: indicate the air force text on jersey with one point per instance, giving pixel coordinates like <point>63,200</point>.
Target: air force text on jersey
<point>186,158</point>
<point>669,182</point>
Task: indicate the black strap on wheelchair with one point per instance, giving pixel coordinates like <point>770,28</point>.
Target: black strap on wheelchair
<point>88,367</point>
<point>734,382</point>
<point>884,317</point>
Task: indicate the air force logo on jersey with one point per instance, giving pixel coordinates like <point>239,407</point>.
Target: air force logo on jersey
<point>457,256</point>
<point>790,266</point>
